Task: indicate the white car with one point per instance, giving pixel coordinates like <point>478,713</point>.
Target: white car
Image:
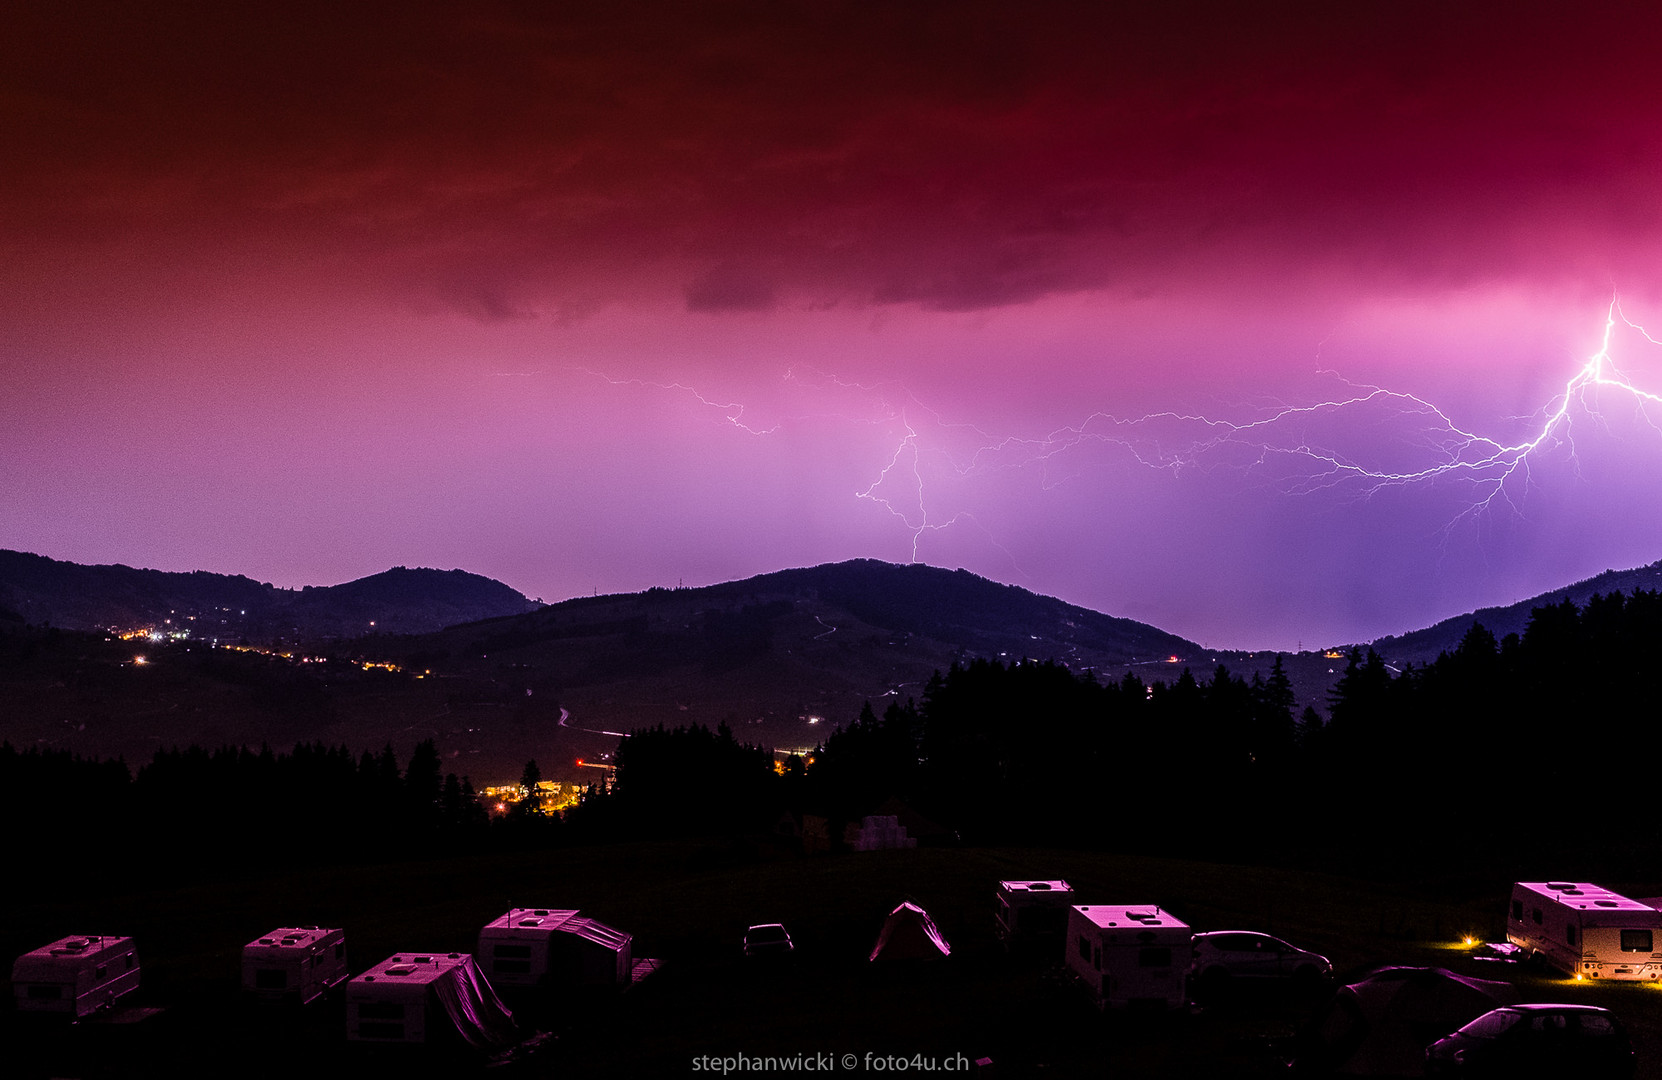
<point>1221,956</point>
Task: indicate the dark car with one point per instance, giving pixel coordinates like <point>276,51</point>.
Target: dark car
<point>1221,956</point>
<point>768,940</point>
<point>1536,1040</point>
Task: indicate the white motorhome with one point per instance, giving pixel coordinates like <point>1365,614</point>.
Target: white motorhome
<point>75,975</point>
<point>1032,915</point>
<point>535,946</point>
<point>420,997</point>
<point>1585,930</point>
<point>1129,954</point>
<point>294,963</point>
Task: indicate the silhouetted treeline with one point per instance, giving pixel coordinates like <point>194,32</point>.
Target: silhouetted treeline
<point>1531,750</point>
<point>689,780</point>
<point>234,807</point>
<point>1033,753</point>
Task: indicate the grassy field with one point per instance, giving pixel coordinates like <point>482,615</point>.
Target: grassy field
<point>688,903</point>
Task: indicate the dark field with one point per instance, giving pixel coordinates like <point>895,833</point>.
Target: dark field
<point>688,903</point>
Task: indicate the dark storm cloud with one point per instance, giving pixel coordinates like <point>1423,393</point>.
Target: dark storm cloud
<point>953,155</point>
<point>729,288</point>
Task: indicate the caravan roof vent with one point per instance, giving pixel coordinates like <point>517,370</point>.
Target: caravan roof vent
<point>1606,903</point>
<point>540,911</point>
<point>1040,886</point>
<point>1143,916</point>
<point>1561,886</point>
<point>424,959</point>
<point>530,922</point>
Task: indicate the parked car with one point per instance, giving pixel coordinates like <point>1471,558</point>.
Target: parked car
<point>768,940</point>
<point>1221,956</point>
<point>1582,1041</point>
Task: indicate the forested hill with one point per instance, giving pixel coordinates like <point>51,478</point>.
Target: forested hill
<point>1422,646</point>
<point>782,652</point>
<point>73,596</point>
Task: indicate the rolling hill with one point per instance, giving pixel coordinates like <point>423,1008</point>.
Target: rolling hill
<point>72,596</point>
<point>1422,646</point>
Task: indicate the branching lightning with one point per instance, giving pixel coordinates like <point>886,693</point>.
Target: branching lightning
<point>1353,445</point>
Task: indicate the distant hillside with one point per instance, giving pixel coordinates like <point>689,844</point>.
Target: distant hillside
<point>1422,646</point>
<point>400,600</point>
<point>782,659</point>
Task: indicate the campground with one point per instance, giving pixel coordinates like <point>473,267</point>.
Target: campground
<point>688,903</point>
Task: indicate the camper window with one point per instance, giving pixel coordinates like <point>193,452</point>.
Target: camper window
<point>271,979</point>
<point>1636,941</point>
<point>1154,957</point>
<point>1569,934</point>
<point>1535,913</point>
<point>42,991</point>
<point>1517,910</point>
<point>1084,947</point>
<point>380,1010</point>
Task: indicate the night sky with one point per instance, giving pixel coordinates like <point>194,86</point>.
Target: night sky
<point>629,295</point>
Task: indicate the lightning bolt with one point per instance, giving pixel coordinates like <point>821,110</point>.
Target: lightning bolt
<point>1296,449</point>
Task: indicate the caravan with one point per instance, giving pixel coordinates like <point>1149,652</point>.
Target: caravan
<point>1129,955</point>
<point>1586,931</point>
<point>75,975</point>
<point>294,963</point>
<point>412,998</point>
<point>1033,915</point>
<point>543,946</point>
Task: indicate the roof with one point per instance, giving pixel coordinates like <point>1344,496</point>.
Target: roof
<point>1129,915</point>
<point>413,969</point>
<point>74,947</point>
<point>531,922</point>
<point>299,939</point>
<point>1036,886</point>
<point>1581,894</point>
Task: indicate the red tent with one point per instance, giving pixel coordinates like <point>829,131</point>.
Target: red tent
<point>910,934</point>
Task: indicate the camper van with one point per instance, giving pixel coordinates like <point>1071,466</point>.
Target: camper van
<point>425,997</point>
<point>75,975</point>
<point>1032,916</point>
<point>1586,931</point>
<point>535,946</point>
<point>1129,954</point>
<point>294,963</point>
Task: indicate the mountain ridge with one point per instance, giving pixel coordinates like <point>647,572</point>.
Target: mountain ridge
<point>123,598</point>
<point>1424,645</point>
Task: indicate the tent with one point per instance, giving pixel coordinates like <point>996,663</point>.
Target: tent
<point>910,934</point>
<point>1381,1025</point>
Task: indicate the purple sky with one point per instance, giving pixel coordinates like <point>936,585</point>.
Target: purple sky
<point>648,293</point>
